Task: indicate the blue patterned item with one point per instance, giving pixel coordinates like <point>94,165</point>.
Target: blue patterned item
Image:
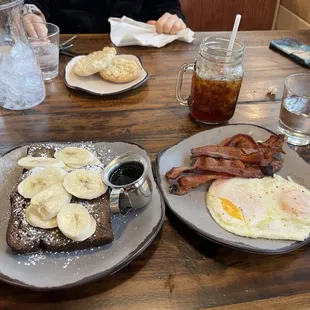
<point>294,49</point>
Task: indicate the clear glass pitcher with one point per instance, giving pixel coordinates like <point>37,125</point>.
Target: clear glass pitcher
<point>21,83</point>
<point>216,81</point>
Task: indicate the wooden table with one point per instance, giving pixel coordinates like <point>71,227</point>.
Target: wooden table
<point>180,270</point>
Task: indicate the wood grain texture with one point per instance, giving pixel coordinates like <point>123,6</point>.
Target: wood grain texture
<point>219,15</point>
<point>180,270</point>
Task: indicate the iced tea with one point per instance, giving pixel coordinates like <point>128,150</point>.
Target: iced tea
<point>213,101</point>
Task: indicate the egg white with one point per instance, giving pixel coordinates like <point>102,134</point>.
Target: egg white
<point>271,208</point>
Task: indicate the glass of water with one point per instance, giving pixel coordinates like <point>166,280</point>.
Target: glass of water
<point>294,119</point>
<point>46,50</point>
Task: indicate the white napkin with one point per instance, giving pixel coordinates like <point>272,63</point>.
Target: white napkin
<point>126,31</point>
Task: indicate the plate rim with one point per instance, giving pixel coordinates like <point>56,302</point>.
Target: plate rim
<point>127,260</point>
<point>294,246</point>
<point>108,94</point>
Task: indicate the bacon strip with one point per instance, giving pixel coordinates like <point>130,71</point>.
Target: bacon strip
<point>240,141</point>
<point>260,155</point>
<point>274,143</point>
<point>229,152</point>
<point>276,164</point>
<point>186,183</point>
<point>203,164</point>
<point>269,141</point>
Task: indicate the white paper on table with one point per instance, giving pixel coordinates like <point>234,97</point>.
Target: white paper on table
<point>126,31</point>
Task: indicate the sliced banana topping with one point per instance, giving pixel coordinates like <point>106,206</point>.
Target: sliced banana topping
<point>75,222</point>
<point>46,162</point>
<point>49,201</point>
<point>91,230</point>
<point>84,184</point>
<point>96,161</point>
<point>75,157</point>
<point>34,220</point>
<point>39,181</point>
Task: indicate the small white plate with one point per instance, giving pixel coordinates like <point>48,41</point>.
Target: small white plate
<point>192,209</point>
<point>95,85</point>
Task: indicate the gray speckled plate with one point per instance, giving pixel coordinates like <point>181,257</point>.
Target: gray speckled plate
<point>46,271</point>
<point>191,209</point>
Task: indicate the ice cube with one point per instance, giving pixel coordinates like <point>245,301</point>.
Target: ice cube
<point>297,105</point>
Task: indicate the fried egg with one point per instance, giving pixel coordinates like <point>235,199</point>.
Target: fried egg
<point>271,208</point>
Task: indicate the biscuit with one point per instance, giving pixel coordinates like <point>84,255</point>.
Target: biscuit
<point>121,71</point>
<point>95,62</point>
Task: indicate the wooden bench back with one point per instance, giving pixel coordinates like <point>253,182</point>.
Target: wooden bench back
<point>219,15</point>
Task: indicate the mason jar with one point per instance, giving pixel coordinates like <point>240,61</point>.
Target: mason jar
<point>216,81</point>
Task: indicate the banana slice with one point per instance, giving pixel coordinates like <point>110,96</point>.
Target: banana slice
<point>39,181</point>
<point>96,161</point>
<point>75,157</point>
<point>75,222</point>
<point>91,230</point>
<point>49,201</point>
<point>84,184</point>
<point>67,168</point>
<point>33,162</point>
<point>34,220</point>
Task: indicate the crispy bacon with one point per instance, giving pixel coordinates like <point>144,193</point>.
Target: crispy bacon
<point>186,183</point>
<point>269,141</point>
<point>207,164</point>
<point>276,165</point>
<point>238,156</point>
<point>240,141</point>
<point>274,143</point>
<point>260,155</point>
<point>229,152</point>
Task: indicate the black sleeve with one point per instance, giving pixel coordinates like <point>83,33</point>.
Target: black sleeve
<point>156,8</point>
<point>43,5</point>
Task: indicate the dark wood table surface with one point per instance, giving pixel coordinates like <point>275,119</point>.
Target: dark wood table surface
<point>180,270</point>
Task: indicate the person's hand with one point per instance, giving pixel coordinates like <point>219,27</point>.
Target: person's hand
<point>169,24</point>
<point>33,26</point>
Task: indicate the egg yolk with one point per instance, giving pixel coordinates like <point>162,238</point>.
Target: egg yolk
<point>231,209</point>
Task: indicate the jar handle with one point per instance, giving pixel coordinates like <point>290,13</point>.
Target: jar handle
<point>178,90</point>
<point>118,205</point>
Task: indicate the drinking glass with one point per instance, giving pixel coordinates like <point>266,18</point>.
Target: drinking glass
<point>46,50</point>
<point>216,81</point>
<point>294,120</point>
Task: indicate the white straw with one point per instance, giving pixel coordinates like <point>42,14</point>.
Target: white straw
<point>233,34</point>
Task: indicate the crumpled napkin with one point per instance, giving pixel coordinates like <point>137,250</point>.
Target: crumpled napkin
<point>126,31</point>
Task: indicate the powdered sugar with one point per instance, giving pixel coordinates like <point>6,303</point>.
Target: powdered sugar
<point>26,234</point>
<point>52,270</point>
<point>40,257</point>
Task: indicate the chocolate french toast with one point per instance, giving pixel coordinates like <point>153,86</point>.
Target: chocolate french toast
<point>60,203</point>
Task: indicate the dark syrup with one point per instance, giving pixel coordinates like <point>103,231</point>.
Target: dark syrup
<point>126,173</point>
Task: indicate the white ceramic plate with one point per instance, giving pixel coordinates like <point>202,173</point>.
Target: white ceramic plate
<point>95,85</point>
<point>47,271</point>
<point>191,208</point>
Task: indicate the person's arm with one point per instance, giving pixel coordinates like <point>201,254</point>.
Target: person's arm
<point>166,15</point>
<point>34,15</point>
